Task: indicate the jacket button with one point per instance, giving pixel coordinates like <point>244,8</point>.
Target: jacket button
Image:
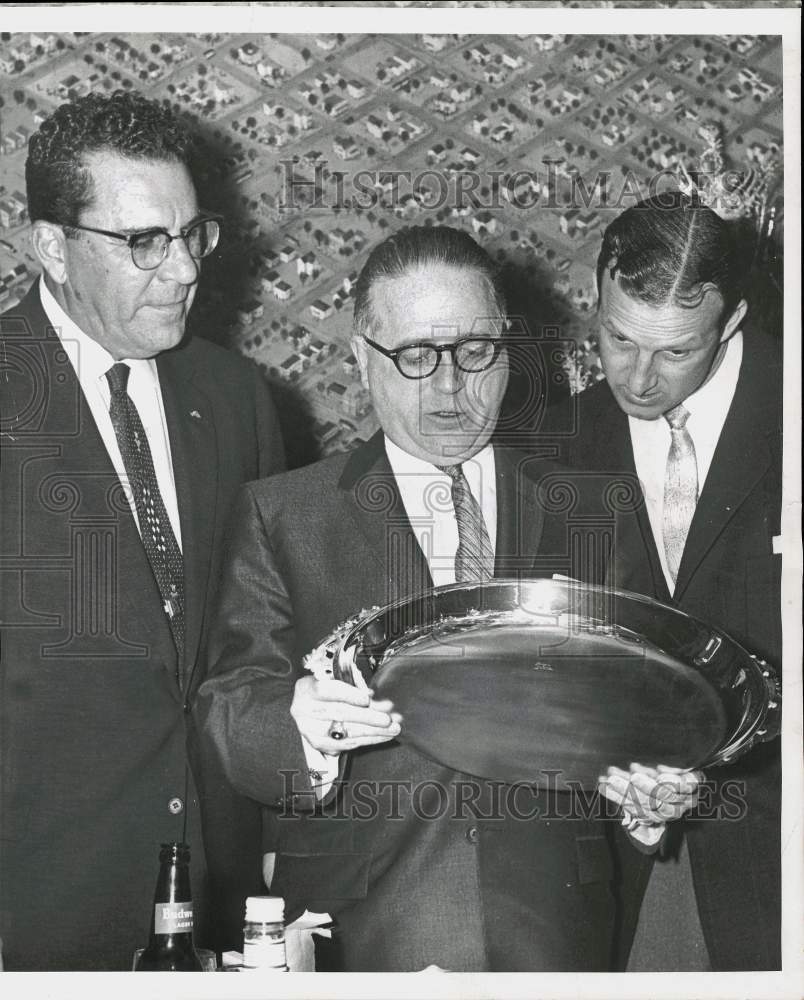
<point>473,835</point>
<point>175,806</point>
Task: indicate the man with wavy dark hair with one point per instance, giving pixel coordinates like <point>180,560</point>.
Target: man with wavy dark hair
<point>124,441</point>
<point>691,403</point>
<point>58,180</point>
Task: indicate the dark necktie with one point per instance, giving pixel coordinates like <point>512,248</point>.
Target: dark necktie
<point>158,539</point>
<point>680,488</point>
<point>474,560</point>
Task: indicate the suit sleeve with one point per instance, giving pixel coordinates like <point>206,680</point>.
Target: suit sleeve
<point>243,708</point>
<point>270,447</point>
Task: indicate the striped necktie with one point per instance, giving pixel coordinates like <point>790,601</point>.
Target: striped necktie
<point>474,560</point>
<point>680,488</point>
<point>158,539</point>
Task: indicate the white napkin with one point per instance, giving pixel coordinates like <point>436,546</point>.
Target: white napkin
<point>299,945</point>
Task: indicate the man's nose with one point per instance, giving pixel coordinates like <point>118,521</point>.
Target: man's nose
<point>178,264</point>
<point>448,377</point>
<point>643,375</point>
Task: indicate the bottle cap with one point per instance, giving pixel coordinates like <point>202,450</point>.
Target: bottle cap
<point>265,909</point>
<point>174,852</point>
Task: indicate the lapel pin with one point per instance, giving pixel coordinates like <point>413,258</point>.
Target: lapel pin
<point>195,414</point>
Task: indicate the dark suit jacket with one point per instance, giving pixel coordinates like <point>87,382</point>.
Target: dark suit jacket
<point>93,717</point>
<point>729,577</point>
<point>308,550</point>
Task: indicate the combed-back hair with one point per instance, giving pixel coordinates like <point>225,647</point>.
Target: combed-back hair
<point>669,250</point>
<point>58,181</point>
<point>415,247</point>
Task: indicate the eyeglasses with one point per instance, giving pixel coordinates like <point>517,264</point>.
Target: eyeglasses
<point>472,354</point>
<point>149,247</point>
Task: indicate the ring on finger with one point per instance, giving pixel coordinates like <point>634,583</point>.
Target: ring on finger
<point>337,731</point>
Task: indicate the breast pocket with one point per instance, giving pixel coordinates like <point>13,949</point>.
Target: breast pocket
<point>316,864</point>
<point>318,881</point>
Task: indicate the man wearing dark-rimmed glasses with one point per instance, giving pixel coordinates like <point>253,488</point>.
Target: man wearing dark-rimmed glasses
<point>420,360</point>
<point>124,441</point>
<point>411,859</point>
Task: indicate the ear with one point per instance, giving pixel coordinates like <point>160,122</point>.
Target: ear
<point>50,246</point>
<point>360,351</point>
<point>734,321</point>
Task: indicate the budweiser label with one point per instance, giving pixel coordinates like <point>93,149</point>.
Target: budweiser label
<point>173,918</point>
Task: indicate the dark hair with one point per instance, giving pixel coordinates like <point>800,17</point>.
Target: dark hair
<point>59,185</point>
<point>413,247</point>
<point>670,250</point>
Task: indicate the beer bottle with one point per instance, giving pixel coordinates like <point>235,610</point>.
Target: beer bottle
<point>170,946</point>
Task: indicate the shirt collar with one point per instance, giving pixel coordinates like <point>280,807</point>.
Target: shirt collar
<point>404,464</point>
<point>716,394</point>
<point>90,359</point>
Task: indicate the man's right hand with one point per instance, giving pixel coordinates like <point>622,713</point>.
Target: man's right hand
<point>318,703</point>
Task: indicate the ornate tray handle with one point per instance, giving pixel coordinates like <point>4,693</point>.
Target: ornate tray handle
<point>320,661</point>
<point>772,722</point>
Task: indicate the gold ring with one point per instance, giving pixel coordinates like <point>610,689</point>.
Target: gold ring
<point>337,731</point>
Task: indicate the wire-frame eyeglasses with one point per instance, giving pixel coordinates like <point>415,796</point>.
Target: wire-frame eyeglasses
<point>149,247</point>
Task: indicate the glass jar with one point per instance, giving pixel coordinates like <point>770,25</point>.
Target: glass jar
<point>264,934</point>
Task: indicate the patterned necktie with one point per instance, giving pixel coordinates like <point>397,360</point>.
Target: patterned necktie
<point>680,488</point>
<point>474,560</point>
<point>158,539</point>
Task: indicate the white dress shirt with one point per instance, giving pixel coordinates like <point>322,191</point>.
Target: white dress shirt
<point>426,494</point>
<point>708,408</point>
<point>91,361</point>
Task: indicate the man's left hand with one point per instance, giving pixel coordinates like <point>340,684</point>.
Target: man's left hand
<point>650,796</point>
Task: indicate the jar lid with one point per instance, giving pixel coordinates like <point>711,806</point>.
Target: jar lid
<point>265,909</point>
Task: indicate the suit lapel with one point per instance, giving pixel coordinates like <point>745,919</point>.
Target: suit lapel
<point>519,518</point>
<point>741,459</point>
<point>194,454</point>
<point>84,464</point>
<point>636,565</point>
<point>379,516</point>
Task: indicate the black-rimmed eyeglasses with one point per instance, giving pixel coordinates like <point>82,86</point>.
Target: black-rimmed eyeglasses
<point>420,360</point>
<point>149,247</point>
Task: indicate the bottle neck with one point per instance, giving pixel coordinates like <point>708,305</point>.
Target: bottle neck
<point>173,883</point>
<point>172,915</point>
<point>170,944</point>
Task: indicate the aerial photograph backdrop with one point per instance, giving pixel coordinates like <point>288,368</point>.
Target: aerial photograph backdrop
<point>316,146</point>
